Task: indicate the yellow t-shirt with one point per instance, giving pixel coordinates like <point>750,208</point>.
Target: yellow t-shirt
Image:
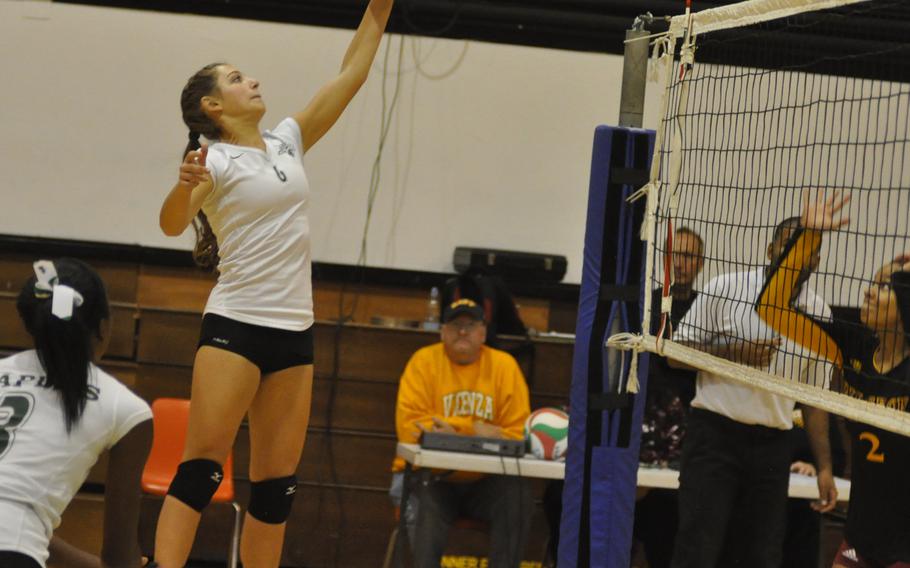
<point>491,389</point>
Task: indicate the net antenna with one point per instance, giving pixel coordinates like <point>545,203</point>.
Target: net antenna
<point>763,101</point>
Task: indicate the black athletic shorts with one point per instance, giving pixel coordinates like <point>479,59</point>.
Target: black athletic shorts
<point>268,348</point>
<point>10,559</point>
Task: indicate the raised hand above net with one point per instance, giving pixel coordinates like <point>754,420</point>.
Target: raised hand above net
<point>824,214</point>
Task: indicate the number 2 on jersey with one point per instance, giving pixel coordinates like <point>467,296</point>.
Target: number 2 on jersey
<point>874,455</point>
<point>15,408</point>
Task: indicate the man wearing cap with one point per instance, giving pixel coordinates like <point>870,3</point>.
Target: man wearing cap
<point>464,387</point>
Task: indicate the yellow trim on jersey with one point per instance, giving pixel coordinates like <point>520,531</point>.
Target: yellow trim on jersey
<point>774,302</point>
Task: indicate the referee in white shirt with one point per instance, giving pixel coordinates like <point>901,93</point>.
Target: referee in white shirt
<point>736,456</point>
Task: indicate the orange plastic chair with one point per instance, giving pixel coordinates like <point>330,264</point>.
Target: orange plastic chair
<point>170,417</point>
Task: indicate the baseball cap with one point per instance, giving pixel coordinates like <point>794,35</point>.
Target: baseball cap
<point>464,306</point>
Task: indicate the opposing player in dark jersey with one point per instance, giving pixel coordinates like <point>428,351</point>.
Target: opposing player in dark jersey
<point>248,193</point>
<point>874,365</point>
<point>58,413</point>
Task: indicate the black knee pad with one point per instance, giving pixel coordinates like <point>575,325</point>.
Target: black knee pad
<point>271,499</point>
<point>196,482</point>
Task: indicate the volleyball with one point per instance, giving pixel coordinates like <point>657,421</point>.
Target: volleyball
<point>547,433</point>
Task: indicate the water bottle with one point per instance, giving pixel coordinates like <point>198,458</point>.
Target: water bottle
<point>431,322</point>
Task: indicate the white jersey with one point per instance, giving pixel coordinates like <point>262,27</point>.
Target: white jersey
<point>258,212</point>
<point>725,310</point>
<point>41,465</point>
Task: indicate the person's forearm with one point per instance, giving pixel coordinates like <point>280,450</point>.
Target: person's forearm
<point>486,430</point>
<point>174,217</point>
<point>359,56</point>
<point>817,429</point>
<point>718,350</point>
<point>133,560</point>
<point>65,555</point>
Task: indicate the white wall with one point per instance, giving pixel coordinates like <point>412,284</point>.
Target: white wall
<point>491,145</point>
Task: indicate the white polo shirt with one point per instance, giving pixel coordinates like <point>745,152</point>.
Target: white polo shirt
<point>724,311</point>
<point>41,465</point>
<point>258,210</point>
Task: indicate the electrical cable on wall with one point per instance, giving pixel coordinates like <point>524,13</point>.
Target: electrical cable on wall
<point>418,64</point>
<point>387,112</point>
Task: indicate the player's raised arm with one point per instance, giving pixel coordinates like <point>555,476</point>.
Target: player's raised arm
<point>773,307</point>
<point>186,197</point>
<point>330,101</point>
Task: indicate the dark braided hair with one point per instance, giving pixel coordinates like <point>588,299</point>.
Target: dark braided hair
<point>66,347</point>
<point>203,83</point>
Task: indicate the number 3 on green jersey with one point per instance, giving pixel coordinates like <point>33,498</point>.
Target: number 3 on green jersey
<point>15,408</point>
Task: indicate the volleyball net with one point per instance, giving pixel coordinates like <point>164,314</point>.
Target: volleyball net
<point>764,101</point>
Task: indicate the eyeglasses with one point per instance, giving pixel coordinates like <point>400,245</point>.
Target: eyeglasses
<point>466,326</point>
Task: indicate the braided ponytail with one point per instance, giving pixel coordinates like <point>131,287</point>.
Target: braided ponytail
<point>203,83</point>
<point>193,143</point>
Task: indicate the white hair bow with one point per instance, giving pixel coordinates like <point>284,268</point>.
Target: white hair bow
<point>64,298</point>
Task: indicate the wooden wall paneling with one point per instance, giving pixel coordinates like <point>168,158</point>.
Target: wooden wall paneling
<point>552,369</point>
<point>369,301</point>
<point>82,524</point>
<point>167,337</point>
<point>327,548</point>
<point>323,517</point>
<point>357,405</point>
<point>338,527</point>
<point>119,277</point>
<point>324,336</point>
<point>174,288</point>
<point>163,381</point>
<point>563,316</point>
<point>403,303</point>
<point>359,458</point>
<point>15,269</point>
<point>540,401</point>
<point>124,318</point>
<point>368,352</point>
<point>14,337</point>
<point>12,333</point>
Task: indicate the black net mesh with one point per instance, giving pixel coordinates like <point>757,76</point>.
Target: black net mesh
<point>817,102</point>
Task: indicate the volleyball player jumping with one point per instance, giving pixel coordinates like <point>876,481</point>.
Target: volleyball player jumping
<point>874,364</point>
<point>249,196</point>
